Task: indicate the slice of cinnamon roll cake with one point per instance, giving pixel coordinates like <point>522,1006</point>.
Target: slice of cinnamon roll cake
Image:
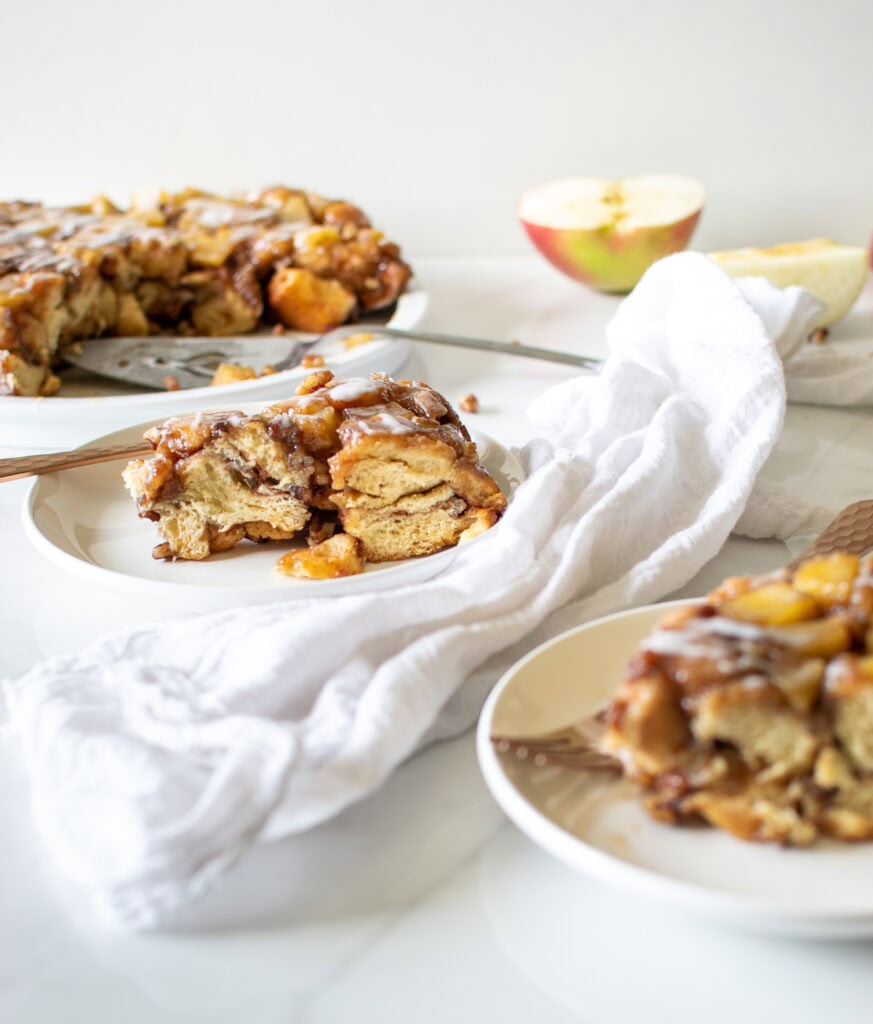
<point>753,711</point>
<point>387,463</point>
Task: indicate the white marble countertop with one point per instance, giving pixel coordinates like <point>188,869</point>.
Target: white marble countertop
<point>422,902</point>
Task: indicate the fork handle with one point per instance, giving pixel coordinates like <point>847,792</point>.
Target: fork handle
<point>35,465</point>
<point>851,530</point>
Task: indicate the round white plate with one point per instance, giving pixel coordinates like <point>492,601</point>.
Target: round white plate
<point>85,521</point>
<point>596,823</point>
<point>99,406</point>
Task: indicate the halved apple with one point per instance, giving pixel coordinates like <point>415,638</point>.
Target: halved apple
<point>833,273</point>
<point>608,233</point>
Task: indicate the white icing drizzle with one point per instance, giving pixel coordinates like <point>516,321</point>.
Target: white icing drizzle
<point>213,213</point>
<point>732,648</point>
<point>700,637</point>
<point>353,389</point>
<point>383,422</point>
<point>85,230</point>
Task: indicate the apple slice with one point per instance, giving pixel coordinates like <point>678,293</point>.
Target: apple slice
<point>608,233</point>
<point>833,273</point>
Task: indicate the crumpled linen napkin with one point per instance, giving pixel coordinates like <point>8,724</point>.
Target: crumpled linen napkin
<point>829,374</point>
<point>156,756</point>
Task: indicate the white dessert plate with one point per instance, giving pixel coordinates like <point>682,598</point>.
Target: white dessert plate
<point>85,521</point>
<point>90,405</point>
<point>595,823</point>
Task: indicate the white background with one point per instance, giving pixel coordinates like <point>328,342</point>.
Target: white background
<point>436,116</point>
<point>424,903</point>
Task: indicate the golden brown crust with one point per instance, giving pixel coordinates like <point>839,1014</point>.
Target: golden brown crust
<point>307,302</point>
<point>188,263</point>
<point>754,710</point>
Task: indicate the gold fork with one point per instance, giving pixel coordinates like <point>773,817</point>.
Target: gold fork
<point>20,466</point>
<point>578,745</point>
<point>572,746</point>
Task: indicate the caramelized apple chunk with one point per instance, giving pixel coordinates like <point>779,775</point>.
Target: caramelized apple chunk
<point>774,604</point>
<point>827,579</point>
<point>340,555</point>
<point>306,302</point>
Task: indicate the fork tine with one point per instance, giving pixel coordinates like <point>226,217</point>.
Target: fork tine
<point>294,355</point>
<point>575,746</point>
<point>582,756</point>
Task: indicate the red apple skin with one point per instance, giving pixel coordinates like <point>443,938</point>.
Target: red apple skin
<point>607,259</point>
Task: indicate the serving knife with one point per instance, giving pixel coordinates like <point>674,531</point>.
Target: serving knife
<point>191,362</point>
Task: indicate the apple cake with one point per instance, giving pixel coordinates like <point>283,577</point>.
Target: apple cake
<point>753,711</point>
<point>386,463</point>
<point>186,263</point>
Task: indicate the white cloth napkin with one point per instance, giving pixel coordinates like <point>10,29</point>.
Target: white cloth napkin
<point>158,755</point>
<point>817,374</point>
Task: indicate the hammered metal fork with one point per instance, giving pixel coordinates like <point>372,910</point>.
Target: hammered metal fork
<point>573,746</point>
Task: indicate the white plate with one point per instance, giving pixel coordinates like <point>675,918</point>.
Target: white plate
<point>597,826</point>
<point>62,422</point>
<point>85,521</point>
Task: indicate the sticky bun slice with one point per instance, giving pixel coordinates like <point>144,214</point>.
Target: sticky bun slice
<point>753,711</point>
<point>387,463</point>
